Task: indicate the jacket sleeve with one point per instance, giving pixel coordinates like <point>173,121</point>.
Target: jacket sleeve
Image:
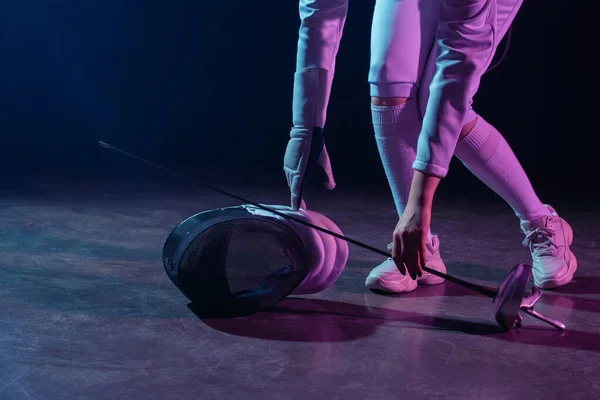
<point>321,26</point>
<point>465,38</point>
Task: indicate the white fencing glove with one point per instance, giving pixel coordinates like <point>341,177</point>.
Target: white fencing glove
<point>306,150</point>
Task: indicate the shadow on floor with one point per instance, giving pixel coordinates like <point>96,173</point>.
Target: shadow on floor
<point>581,285</point>
<point>315,320</point>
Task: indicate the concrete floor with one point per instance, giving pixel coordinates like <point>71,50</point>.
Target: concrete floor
<point>87,312</point>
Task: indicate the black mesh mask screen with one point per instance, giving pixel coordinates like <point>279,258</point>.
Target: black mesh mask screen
<point>234,264</point>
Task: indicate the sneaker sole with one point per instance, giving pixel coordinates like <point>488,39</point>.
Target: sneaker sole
<point>391,286</point>
<point>563,280</point>
<point>430,280</point>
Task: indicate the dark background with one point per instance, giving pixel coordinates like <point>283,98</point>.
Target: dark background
<point>206,88</point>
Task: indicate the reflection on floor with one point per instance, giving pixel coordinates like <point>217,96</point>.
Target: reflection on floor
<point>87,311</point>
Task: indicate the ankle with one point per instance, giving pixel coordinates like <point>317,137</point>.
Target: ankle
<point>535,215</point>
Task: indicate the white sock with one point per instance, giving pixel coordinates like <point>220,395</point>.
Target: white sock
<point>397,131</point>
<point>489,157</point>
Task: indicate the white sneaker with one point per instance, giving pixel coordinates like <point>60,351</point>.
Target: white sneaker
<point>386,277</point>
<point>548,238</point>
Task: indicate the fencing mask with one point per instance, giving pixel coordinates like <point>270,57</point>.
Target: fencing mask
<point>239,260</point>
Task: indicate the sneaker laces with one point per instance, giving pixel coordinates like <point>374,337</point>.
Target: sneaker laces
<point>539,242</point>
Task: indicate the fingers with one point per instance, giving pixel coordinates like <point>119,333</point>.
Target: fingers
<point>295,201</point>
<point>397,254</point>
<point>325,163</point>
<point>303,205</point>
<point>295,184</point>
<point>422,254</point>
<point>408,253</point>
<point>410,242</point>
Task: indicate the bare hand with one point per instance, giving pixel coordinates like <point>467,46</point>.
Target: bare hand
<point>410,236</point>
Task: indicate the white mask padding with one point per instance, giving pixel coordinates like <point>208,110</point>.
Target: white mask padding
<point>313,283</point>
<point>328,254</point>
<point>340,249</point>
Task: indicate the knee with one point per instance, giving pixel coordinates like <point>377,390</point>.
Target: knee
<point>402,112</point>
<point>388,101</point>
<point>466,129</point>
